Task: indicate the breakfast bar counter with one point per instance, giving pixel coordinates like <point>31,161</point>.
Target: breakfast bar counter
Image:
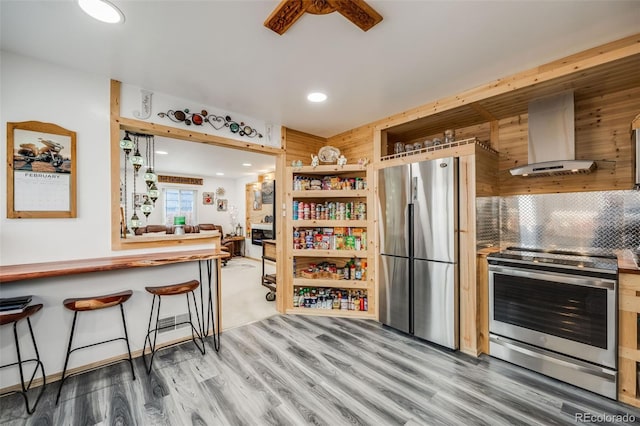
<point>27,271</point>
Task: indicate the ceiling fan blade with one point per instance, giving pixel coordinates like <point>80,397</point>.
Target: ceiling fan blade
<point>283,16</point>
<point>358,12</point>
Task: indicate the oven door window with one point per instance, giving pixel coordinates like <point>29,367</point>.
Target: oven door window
<point>568,311</point>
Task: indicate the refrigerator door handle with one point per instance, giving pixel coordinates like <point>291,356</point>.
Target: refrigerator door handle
<point>414,189</point>
<point>411,270</point>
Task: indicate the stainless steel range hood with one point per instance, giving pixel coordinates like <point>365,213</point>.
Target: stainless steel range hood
<point>552,139</point>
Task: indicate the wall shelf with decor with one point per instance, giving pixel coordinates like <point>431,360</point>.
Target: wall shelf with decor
<point>329,242</point>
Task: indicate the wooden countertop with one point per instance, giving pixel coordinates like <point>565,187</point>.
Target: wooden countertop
<point>11,273</point>
<point>627,263</point>
<point>484,252</point>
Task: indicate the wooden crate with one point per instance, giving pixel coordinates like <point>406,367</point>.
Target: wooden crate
<point>628,350</point>
<point>320,275</point>
<point>269,249</point>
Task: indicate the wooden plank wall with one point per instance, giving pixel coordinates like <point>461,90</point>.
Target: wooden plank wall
<point>355,144</point>
<point>603,133</point>
<point>486,173</point>
<point>300,145</point>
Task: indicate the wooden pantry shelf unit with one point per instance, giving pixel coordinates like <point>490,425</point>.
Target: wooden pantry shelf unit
<point>340,230</point>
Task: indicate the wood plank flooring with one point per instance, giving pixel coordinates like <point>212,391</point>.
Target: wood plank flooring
<point>299,370</point>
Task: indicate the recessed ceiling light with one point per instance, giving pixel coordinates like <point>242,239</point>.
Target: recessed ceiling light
<point>102,10</point>
<point>246,164</point>
<point>316,97</point>
<point>162,152</point>
<point>219,174</point>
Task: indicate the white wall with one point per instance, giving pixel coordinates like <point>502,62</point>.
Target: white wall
<point>34,90</point>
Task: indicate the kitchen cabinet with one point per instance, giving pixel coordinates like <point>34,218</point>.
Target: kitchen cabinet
<point>329,241</point>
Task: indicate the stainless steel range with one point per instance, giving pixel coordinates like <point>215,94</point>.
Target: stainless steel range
<point>555,313</point>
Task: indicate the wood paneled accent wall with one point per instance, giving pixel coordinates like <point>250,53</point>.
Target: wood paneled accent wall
<point>300,145</point>
<point>603,133</point>
<point>355,144</point>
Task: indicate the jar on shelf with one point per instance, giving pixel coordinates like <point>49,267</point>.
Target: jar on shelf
<point>449,136</point>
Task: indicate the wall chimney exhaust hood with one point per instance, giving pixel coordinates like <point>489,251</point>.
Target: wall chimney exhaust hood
<point>552,139</point>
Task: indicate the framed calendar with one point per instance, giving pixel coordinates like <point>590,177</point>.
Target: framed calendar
<point>41,172</point>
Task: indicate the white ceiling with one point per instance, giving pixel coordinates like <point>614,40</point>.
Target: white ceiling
<point>219,53</point>
<point>197,159</point>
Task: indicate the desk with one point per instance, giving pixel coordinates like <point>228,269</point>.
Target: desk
<point>14,273</point>
<point>238,245</point>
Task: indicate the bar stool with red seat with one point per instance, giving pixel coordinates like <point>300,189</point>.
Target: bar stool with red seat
<point>92,304</point>
<point>171,290</point>
<point>14,319</point>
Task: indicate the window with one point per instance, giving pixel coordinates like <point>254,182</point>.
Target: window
<point>179,202</point>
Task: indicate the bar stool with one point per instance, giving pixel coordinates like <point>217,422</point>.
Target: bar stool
<point>171,290</point>
<point>92,304</point>
<point>13,319</point>
<point>226,259</point>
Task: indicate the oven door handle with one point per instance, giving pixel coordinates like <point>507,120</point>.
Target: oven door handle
<point>553,276</point>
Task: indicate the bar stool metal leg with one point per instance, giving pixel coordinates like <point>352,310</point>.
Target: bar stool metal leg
<point>194,331</point>
<point>126,336</point>
<point>152,345</point>
<point>31,409</point>
<point>66,361</point>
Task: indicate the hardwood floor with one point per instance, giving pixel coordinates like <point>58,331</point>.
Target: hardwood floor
<point>295,370</point>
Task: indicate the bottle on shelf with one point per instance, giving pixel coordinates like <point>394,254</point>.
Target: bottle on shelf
<point>330,298</point>
<point>328,183</point>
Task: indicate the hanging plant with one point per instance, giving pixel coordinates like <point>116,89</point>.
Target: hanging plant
<point>218,122</point>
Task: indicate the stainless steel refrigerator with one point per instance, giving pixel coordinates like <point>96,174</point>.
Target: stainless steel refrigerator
<point>418,220</point>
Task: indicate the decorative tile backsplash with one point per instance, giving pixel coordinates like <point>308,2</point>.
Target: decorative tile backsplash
<point>582,221</point>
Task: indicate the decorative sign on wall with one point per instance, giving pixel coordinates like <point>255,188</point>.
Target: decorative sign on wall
<point>41,172</point>
<point>267,192</point>
<point>180,179</point>
<point>218,122</point>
